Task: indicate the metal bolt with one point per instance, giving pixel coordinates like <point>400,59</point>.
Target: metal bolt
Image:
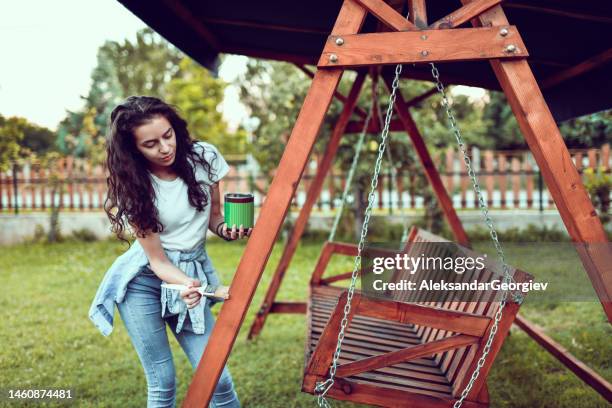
<point>424,53</point>
<point>503,32</point>
<point>510,48</point>
<point>333,58</point>
<point>339,41</point>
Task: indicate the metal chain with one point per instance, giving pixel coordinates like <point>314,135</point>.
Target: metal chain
<point>485,212</point>
<point>349,177</point>
<point>406,227</point>
<point>322,388</point>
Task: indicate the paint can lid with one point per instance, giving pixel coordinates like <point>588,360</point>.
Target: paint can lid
<point>239,198</point>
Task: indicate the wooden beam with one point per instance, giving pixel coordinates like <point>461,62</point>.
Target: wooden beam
<point>311,198</point>
<point>584,372</point>
<point>336,278</point>
<point>446,204</point>
<point>269,54</point>
<point>337,94</point>
<point>364,393</point>
<point>270,220</point>
<point>559,172</point>
<point>464,14</point>
<point>579,69</point>
<point>437,318</point>
<point>323,353</point>
<point>406,354</point>
<point>288,307</point>
<point>185,14</point>
<point>418,13</point>
<point>511,4</point>
<point>387,15</point>
<point>460,44</point>
<point>262,26</point>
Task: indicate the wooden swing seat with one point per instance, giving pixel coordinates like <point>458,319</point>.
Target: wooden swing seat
<point>404,351</point>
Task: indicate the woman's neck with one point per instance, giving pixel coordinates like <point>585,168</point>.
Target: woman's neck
<point>164,173</point>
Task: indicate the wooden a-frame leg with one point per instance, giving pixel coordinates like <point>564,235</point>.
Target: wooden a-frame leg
<point>402,109</point>
<point>550,152</point>
<point>273,212</point>
<point>311,198</point>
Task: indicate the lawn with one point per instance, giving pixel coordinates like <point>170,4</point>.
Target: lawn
<point>48,341</point>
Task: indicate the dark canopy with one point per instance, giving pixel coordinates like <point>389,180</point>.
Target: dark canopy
<point>559,35</point>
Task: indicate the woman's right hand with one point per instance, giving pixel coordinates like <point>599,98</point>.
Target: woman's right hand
<point>191,296</point>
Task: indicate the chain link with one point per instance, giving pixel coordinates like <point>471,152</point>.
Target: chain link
<point>485,212</point>
<point>322,388</point>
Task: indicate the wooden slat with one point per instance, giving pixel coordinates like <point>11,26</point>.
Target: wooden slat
<point>269,222</point>
<point>460,44</point>
<point>387,15</point>
<point>584,372</point>
<point>577,70</point>
<point>336,278</point>
<point>464,14</point>
<point>288,307</point>
<point>407,354</point>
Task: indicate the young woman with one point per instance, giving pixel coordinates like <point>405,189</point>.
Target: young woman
<point>163,187</point>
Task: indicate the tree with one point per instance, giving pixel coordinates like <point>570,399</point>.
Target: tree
<point>197,95</point>
<point>142,67</point>
<point>20,138</point>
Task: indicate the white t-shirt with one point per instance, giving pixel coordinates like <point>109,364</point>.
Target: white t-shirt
<point>184,226</point>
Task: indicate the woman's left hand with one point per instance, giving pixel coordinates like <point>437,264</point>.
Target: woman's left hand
<point>236,233</point>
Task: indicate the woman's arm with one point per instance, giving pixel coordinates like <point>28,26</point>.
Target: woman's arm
<point>159,262</point>
<point>166,271</point>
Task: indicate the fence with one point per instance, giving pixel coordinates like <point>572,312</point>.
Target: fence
<point>509,179</point>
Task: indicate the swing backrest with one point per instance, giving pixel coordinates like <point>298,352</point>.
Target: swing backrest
<point>457,362</point>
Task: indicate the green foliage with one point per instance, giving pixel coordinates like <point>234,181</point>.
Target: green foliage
<point>599,183</point>
<point>12,133</point>
<point>197,94</point>
<point>84,234</point>
<point>147,66</point>
<point>531,233</point>
<point>588,131</point>
<point>501,127</point>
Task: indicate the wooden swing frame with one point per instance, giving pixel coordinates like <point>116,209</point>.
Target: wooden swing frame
<point>492,38</point>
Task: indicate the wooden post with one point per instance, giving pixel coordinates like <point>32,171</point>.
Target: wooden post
<point>273,212</point>
<point>550,152</point>
<point>502,179</point>
<point>311,197</point>
<point>516,181</point>
<point>428,165</point>
<point>489,182</point>
<point>528,169</point>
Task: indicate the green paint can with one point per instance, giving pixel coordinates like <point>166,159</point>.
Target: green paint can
<point>239,209</point>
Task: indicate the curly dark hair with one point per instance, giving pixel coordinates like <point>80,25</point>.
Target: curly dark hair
<point>130,191</point>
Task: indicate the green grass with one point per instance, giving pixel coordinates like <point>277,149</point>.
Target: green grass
<point>48,341</point>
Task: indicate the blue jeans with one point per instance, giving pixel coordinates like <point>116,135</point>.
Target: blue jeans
<point>141,314</point>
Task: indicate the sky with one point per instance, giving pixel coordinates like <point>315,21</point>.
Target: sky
<point>48,51</point>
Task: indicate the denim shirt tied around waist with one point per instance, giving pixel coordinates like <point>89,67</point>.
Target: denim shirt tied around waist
<point>196,264</point>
